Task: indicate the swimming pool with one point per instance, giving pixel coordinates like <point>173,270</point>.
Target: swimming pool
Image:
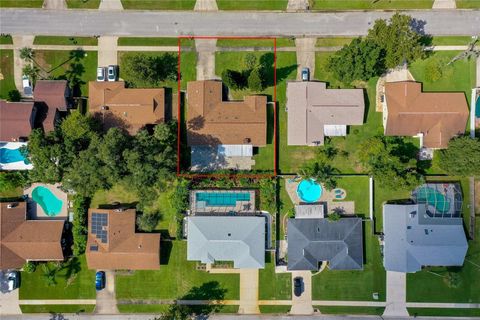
<point>221,199</point>
<point>11,155</point>
<point>477,108</point>
<point>434,198</point>
<point>50,204</point>
<point>309,190</point>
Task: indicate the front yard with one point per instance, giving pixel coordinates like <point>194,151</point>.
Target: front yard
<point>7,82</point>
<point>174,279</point>
<point>274,286</point>
<point>252,5</point>
<point>371,5</point>
<point>158,5</point>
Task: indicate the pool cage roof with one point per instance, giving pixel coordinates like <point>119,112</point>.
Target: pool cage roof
<point>443,200</point>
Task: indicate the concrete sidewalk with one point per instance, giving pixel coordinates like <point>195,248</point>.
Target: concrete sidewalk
<point>9,303</point>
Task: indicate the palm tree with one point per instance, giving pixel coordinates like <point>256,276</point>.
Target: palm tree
<point>27,54</point>
<point>321,172</point>
<point>49,274</point>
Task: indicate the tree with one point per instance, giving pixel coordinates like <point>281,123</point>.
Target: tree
<point>360,60</point>
<point>268,194</point>
<point>79,229</point>
<point>14,96</point>
<point>140,70</point>
<point>148,221</point>
<point>255,82</point>
<point>31,72</point>
<point>27,54</point>
<point>49,274</point>
<point>321,172</point>
<point>10,180</point>
<point>29,267</point>
<point>233,79</point>
<point>453,280</point>
<point>398,39</point>
<point>462,157</point>
<point>334,216</point>
<point>433,70</point>
<point>250,61</point>
<point>45,153</point>
<point>179,199</point>
<point>110,153</point>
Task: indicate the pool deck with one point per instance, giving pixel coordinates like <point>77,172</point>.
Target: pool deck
<point>36,212</point>
<point>240,207</point>
<point>19,165</point>
<point>328,197</point>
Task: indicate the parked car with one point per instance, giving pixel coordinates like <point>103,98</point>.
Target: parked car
<point>12,280</point>
<point>27,86</point>
<point>100,280</point>
<point>112,73</point>
<point>305,74</point>
<point>101,74</point>
<point>298,286</point>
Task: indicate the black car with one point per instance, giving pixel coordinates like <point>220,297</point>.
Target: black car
<point>298,286</point>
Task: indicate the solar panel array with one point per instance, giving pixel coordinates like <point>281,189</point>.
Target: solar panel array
<point>99,221</point>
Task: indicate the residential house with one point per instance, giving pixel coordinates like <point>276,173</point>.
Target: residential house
<point>52,98</point>
<point>413,238</point>
<point>223,131</point>
<point>17,120</point>
<point>240,239</point>
<point>315,240</point>
<point>23,240</point>
<point>113,243</point>
<point>130,109</point>
<point>435,117</point>
<point>315,112</point>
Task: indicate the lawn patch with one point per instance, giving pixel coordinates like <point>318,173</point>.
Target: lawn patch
<point>7,83</point>
<point>6,39</point>
<point>67,41</point>
<point>274,286</point>
<point>34,285</point>
<point>136,41</point>
<point>275,309</point>
<point>158,5</point>
<point>143,308</point>
<point>252,5</point>
<point>351,310</point>
<point>21,4</point>
<point>468,4</point>
<point>83,4</point>
<point>451,40</point>
<point>57,308</point>
<point>174,279</point>
<point>333,41</point>
<point>371,5</point>
<point>443,312</point>
<point>281,42</point>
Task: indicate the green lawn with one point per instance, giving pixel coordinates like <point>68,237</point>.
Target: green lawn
<point>370,5</point>
<point>351,310</point>
<point>57,308</point>
<point>357,188</point>
<point>174,278</point>
<point>286,69</point>
<point>252,5</point>
<point>7,83</point>
<point>152,41</point>
<point>58,64</point>
<point>274,286</point>
<point>443,312</point>
<point>83,4</point>
<point>286,209</point>
<point>187,67</point>
<point>275,309</point>
<point>383,194</point>
<point>281,42</point>
<point>21,4</point>
<point>159,4</point>
<point>6,39</point>
<point>74,41</point>
<point>34,285</point>
<point>451,40</point>
<point>468,4</point>
<point>143,308</point>
<point>333,41</point>
<point>354,285</point>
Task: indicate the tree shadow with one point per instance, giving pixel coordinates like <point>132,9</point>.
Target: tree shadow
<point>71,267</point>
<point>267,65</point>
<point>165,251</point>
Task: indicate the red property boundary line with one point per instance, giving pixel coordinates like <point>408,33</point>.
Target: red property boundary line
<point>179,113</point>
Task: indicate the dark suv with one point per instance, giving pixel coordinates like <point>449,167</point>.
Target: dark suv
<point>298,286</point>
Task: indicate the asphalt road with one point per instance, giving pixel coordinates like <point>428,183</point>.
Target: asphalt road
<point>151,23</point>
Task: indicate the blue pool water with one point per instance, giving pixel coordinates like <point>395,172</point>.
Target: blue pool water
<point>222,199</point>
<point>11,155</point>
<point>309,190</point>
<point>477,108</point>
<point>50,204</point>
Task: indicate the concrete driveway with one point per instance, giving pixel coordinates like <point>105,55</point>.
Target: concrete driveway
<point>106,301</point>
<point>248,291</point>
<point>305,55</point>
<point>9,303</point>
<point>396,295</point>
<point>206,58</point>
<point>302,305</point>
<point>107,51</point>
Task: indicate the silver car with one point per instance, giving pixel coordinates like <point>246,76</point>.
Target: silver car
<point>112,73</point>
<point>101,74</point>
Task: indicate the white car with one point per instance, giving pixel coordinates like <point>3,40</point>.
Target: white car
<point>112,73</point>
<point>27,86</point>
<point>101,74</point>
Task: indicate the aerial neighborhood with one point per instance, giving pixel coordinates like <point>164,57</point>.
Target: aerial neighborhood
<point>291,169</point>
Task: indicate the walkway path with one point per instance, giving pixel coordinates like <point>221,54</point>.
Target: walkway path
<point>106,301</point>
<point>18,43</point>
<point>305,55</point>
<point>9,303</point>
<point>55,4</point>
<point>206,58</point>
<point>107,51</point>
<point>396,294</point>
<point>107,5</point>
<point>206,5</point>
<point>248,291</point>
<point>302,305</point>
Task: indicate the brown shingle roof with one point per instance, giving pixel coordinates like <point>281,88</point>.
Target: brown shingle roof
<point>49,96</point>
<point>438,115</point>
<point>123,248</point>
<point>212,121</point>
<point>130,109</point>
<point>16,120</point>
<point>22,240</point>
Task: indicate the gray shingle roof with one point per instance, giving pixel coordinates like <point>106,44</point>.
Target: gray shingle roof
<point>413,239</point>
<point>239,239</point>
<point>313,240</point>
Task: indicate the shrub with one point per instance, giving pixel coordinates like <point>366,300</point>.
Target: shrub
<point>80,228</point>
<point>433,70</point>
<point>255,82</point>
<point>29,267</point>
<point>14,96</point>
<point>233,79</point>
<point>148,221</point>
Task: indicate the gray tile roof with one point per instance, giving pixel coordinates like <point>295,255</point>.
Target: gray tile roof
<point>313,240</point>
<point>413,239</point>
<point>239,239</point>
